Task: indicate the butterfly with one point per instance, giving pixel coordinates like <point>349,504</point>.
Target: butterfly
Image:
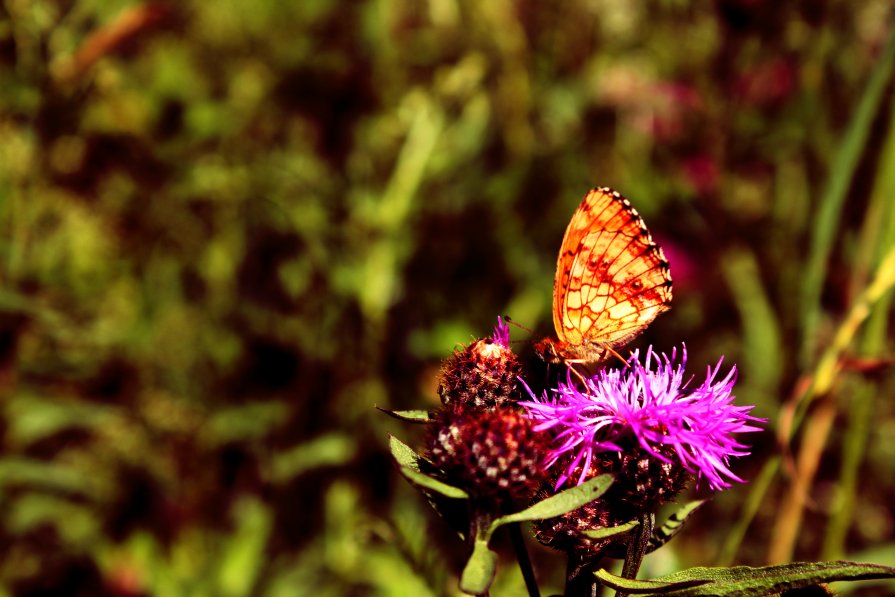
<point>612,280</point>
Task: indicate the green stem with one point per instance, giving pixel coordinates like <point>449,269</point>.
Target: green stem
<point>528,573</point>
<point>860,420</point>
<point>842,170</point>
<point>481,567</point>
<point>637,547</point>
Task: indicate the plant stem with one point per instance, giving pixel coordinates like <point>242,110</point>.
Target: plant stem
<point>528,573</point>
<point>637,547</point>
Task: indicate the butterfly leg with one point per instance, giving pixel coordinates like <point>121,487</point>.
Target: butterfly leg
<point>578,373</point>
<point>620,357</point>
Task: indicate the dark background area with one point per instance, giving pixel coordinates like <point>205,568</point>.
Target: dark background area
<point>230,229</point>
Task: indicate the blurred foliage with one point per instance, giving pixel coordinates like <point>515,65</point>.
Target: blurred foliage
<point>229,229</point>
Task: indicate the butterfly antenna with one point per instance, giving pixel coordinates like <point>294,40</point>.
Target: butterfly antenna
<point>510,320</point>
<point>507,319</point>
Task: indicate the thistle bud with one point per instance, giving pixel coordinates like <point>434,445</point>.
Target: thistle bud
<point>482,375</point>
<point>494,455</point>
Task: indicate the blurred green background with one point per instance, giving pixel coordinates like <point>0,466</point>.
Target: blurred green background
<point>230,229</point>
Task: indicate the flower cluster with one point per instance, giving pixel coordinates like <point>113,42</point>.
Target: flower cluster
<point>647,426</point>
<point>480,440</point>
<point>651,403</point>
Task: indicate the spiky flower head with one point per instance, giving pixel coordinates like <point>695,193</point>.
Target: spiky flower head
<point>652,405</point>
<point>482,375</point>
<point>495,455</point>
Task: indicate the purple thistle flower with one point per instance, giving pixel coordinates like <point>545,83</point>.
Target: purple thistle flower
<point>501,334</point>
<point>652,403</point>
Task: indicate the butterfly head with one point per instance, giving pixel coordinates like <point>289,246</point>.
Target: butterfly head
<point>549,352</point>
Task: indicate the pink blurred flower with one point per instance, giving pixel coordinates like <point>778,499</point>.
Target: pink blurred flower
<point>767,84</point>
<point>701,171</point>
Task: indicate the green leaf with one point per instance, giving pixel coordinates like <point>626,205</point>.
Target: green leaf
<point>408,416</point>
<point>32,418</point>
<point>403,454</point>
<point>646,587</point>
<point>247,422</point>
<point>607,532</point>
<point>673,525</point>
<point>409,466</point>
<point>746,581</point>
<point>242,554</point>
<point>562,502</point>
<point>480,569</point>
<point>328,450</point>
<point>432,484</point>
<point>43,476</point>
<point>433,489</point>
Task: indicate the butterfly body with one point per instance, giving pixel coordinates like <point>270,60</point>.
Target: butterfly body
<point>612,280</point>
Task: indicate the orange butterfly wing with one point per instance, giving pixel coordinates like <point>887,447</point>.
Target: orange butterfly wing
<point>612,280</point>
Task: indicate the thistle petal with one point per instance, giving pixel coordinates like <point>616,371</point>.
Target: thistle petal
<point>651,401</point>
